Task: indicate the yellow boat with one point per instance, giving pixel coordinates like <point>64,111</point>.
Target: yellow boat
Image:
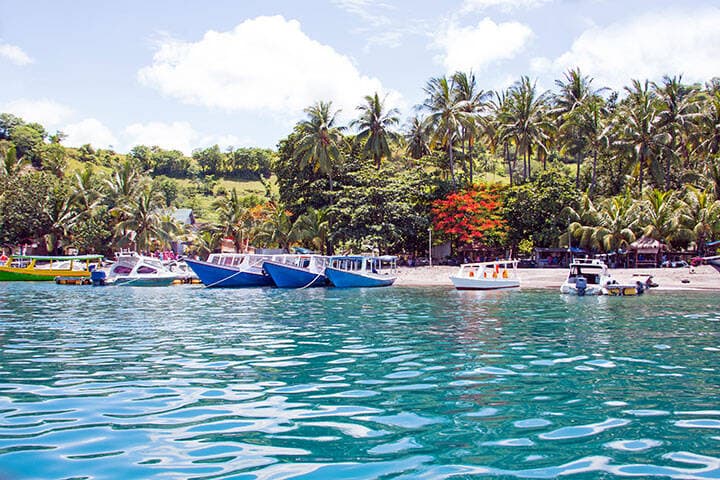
<point>46,268</point>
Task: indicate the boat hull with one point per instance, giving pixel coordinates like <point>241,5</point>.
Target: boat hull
<point>619,290</point>
<point>9,274</point>
<point>288,276</point>
<point>344,279</point>
<point>483,284</point>
<point>218,276</point>
<point>142,281</point>
<point>591,290</point>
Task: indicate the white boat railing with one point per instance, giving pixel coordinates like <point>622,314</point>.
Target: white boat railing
<point>498,270</point>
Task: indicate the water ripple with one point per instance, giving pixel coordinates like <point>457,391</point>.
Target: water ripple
<point>391,383</point>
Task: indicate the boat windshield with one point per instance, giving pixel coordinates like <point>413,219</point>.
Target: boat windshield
<point>592,275</point>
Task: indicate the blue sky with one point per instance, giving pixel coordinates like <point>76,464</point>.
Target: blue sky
<point>239,73</point>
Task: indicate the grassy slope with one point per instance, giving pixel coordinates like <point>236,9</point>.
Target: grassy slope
<point>201,203</point>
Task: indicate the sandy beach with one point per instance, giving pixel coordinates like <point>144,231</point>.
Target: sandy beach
<point>701,278</point>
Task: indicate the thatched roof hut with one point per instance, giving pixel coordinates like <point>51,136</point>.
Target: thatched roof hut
<point>647,251</point>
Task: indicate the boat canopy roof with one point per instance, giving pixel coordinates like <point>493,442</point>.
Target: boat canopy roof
<point>60,258</point>
<point>383,258</point>
<point>490,264</point>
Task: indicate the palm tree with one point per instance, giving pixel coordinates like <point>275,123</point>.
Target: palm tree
<point>526,120</point>
<point>709,127</point>
<point>584,221</point>
<point>320,140</point>
<point>445,115</point>
<point>700,213</point>
<point>375,127</point>
<point>641,127</point>
<point>678,109</point>
<point>473,101</point>
<point>144,221</point>
<point>417,138</point>
<point>596,131</point>
<point>87,189</point>
<point>662,218</point>
<point>277,228</point>
<point>62,215</point>
<point>207,241</point>
<point>497,132</point>
<point>575,94</point>
<point>616,223</point>
<point>231,213</point>
<point>312,227</point>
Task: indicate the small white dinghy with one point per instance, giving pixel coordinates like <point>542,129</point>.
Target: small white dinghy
<point>487,275</point>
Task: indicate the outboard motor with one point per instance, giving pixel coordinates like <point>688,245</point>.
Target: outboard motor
<point>581,286</point>
<point>98,278</point>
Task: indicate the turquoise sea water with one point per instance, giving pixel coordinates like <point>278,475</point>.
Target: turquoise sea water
<point>408,383</point>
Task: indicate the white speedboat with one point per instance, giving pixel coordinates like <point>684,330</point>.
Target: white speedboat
<point>587,277</point>
<point>134,270</point>
<point>486,275</point>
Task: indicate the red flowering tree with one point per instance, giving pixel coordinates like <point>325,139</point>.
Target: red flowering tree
<point>472,216</point>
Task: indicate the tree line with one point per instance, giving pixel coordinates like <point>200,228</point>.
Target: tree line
<point>581,164</point>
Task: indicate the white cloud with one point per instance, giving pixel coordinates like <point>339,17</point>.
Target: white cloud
<point>669,42</point>
<point>175,136</point>
<point>477,47</point>
<point>14,54</point>
<point>503,5</point>
<point>266,64</point>
<point>89,130</point>
<point>48,113</point>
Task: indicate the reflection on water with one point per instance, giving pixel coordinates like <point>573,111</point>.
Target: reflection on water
<point>387,383</point>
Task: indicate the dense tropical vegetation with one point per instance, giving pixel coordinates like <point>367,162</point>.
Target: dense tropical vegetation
<point>519,168</point>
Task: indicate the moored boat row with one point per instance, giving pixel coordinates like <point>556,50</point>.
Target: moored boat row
<point>295,271</point>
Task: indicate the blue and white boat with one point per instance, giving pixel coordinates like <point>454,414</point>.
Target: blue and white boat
<point>231,270</point>
<point>297,271</point>
<point>362,271</point>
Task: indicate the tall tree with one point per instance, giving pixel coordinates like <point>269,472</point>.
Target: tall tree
<point>417,138</point>
<point>445,114</point>
<point>677,111</point>
<point>320,140</point>
<point>526,120</point>
<point>594,121</point>
<point>375,127</point>
<point>473,101</point>
<point>497,131</point>
<point>574,95</point>
<point>641,127</point>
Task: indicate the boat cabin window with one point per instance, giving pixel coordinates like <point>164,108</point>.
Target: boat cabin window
<point>146,269</point>
<point>122,269</point>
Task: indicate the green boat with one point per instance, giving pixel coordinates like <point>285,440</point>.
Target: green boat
<point>36,268</point>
